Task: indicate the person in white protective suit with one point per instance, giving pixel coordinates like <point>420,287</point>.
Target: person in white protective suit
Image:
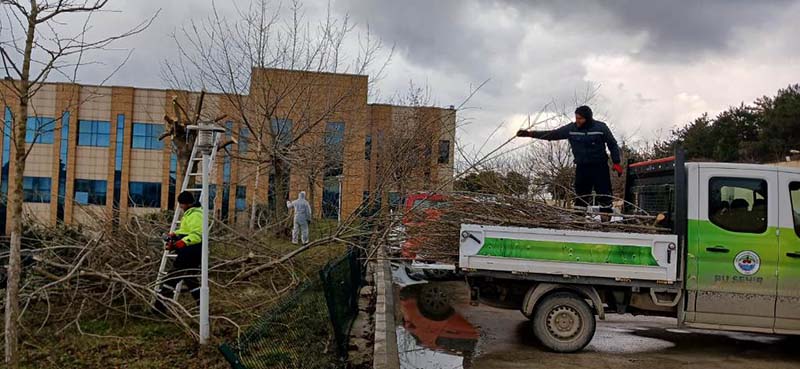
<point>302,217</point>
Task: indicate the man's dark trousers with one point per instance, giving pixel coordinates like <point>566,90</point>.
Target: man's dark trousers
<point>186,267</point>
<point>593,176</point>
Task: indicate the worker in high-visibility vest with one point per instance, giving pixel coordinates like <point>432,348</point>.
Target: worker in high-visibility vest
<point>186,241</point>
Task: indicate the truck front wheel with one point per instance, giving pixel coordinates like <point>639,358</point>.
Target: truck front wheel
<point>563,322</point>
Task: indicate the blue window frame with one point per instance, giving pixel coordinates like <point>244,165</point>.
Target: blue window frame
<point>444,151</point>
<point>90,191</point>
<point>241,197</point>
<point>334,148</point>
<point>36,189</point>
<point>368,147</point>
<point>334,134</point>
<point>93,133</point>
<point>145,136</point>
<point>40,130</point>
<point>244,137</point>
<point>395,200</point>
<point>212,195</point>
<point>144,194</point>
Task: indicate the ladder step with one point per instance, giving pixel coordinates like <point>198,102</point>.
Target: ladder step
<point>194,189</point>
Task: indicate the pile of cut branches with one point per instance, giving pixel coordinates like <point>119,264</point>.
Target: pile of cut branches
<point>433,231</point>
<point>74,274</point>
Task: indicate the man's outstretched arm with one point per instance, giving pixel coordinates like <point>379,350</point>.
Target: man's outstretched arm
<point>560,133</point>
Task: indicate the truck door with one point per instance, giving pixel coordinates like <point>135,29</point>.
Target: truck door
<point>737,248</point>
<point>787,307</point>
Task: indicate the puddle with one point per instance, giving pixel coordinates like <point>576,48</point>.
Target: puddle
<point>431,333</point>
<point>612,340</point>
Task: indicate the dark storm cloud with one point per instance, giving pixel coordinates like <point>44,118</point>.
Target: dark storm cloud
<point>674,29</point>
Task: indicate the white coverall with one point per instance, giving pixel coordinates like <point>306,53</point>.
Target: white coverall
<point>302,216</point>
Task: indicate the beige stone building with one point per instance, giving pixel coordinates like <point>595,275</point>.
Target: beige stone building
<point>95,149</point>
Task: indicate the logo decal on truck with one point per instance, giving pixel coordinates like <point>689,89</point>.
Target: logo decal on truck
<point>747,262</point>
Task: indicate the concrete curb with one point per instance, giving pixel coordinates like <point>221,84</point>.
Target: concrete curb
<point>385,347</point>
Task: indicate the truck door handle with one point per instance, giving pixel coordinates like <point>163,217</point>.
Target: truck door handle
<point>793,254</point>
<point>721,249</point>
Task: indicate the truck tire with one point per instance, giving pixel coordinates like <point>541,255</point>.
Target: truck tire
<point>433,302</point>
<point>563,322</point>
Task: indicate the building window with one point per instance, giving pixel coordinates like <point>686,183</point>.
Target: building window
<point>444,151</point>
<point>241,198</point>
<point>334,148</point>
<point>368,147</point>
<point>282,131</point>
<point>93,133</point>
<point>395,200</point>
<point>145,136</point>
<point>40,130</point>
<point>738,204</point>
<point>212,195</point>
<point>145,194</point>
<point>90,191</point>
<point>244,137</point>
<point>36,189</point>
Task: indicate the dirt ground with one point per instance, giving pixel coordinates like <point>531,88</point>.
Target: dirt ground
<point>504,341</point>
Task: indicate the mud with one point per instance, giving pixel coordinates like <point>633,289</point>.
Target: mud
<point>504,340</point>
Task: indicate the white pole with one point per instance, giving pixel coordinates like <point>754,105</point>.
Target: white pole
<point>204,327</point>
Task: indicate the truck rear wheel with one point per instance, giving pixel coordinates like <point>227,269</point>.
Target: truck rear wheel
<point>563,322</point>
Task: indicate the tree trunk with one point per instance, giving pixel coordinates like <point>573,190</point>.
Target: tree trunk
<point>312,190</point>
<point>15,203</point>
<point>255,197</point>
<point>281,178</point>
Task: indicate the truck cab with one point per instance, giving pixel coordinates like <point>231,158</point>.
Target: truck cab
<point>743,247</point>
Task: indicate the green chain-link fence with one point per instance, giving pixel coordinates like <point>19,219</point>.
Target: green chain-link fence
<point>307,329</point>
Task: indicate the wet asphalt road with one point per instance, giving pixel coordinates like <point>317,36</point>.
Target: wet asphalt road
<point>466,336</point>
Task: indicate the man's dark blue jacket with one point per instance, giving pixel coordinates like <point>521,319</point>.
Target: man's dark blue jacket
<point>588,143</point>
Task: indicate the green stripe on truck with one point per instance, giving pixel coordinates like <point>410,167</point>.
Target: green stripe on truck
<point>568,252</point>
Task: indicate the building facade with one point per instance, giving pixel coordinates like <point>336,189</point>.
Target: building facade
<point>96,150</point>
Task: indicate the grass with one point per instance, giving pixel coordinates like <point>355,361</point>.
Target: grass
<point>112,342</point>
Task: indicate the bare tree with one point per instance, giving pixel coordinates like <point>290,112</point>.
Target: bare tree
<point>283,111</point>
<point>34,52</point>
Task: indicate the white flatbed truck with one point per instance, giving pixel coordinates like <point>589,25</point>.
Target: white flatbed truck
<point>731,260</point>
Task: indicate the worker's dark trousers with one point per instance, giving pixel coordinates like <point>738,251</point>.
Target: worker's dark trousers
<point>186,267</point>
<point>589,177</point>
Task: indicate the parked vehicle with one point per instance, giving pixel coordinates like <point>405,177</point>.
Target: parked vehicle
<point>731,260</point>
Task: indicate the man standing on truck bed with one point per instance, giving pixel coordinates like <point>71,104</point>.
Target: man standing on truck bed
<point>588,139</point>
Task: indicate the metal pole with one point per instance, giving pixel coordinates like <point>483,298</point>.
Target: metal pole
<point>204,327</point>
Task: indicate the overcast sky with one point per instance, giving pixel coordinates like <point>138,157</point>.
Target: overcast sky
<point>657,64</point>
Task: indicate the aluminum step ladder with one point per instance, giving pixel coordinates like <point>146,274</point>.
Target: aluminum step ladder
<point>193,169</point>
